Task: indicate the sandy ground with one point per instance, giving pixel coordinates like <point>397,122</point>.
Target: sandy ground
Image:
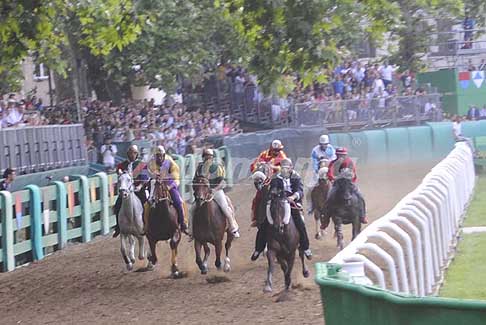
<point>87,283</point>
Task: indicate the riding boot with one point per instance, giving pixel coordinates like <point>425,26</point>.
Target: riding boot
<point>177,202</point>
<point>304,239</point>
<point>116,210</point>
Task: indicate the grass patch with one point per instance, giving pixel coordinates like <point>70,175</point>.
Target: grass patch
<point>466,278</point>
<point>476,214</point>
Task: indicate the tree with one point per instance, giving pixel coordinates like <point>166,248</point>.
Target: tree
<point>300,37</point>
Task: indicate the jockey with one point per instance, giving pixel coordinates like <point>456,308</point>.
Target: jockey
<point>273,156</point>
<point>323,151</point>
<point>294,189</point>
<point>215,173</point>
<point>162,166</point>
<point>341,164</point>
<point>134,166</point>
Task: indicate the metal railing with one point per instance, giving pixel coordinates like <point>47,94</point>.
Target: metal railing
<point>368,113</point>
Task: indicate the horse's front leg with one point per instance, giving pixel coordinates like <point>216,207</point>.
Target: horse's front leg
<point>207,251</point>
<point>141,247</point>
<point>199,262</point>
<point>288,272</point>
<point>317,218</point>
<point>271,264</point>
<point>152,258</point>
<point>123,250</point>
<point>175,274</point>
<point>131,245</point>
<point>338,228</point>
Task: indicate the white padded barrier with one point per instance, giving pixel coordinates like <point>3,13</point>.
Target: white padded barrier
<point>421,230</point>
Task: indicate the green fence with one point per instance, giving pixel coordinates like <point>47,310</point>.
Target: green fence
<point>347,302</point>
<point>37,220</point>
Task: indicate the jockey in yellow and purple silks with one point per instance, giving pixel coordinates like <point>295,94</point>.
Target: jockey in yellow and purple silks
<point>162,166</point>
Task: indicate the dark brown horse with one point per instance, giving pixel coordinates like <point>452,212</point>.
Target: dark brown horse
<point>343,206</point>
<point>209,226</point>
<point>161,224</point>
<point>318,197</point>
<point>282,239</point>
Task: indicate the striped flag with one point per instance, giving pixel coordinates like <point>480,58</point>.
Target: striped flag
<point>18,211</point>
<point>111,188</point>
<point>46,212</point>
<point>70,199</point>
<point>93,192</point>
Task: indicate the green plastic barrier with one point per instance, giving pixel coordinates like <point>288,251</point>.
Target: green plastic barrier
<point>35,221</point>
<point>8,257</point>
<point>471,129</point>
<point>349,303</point>
<point>376,148</point>
<point>420,143</point>
<point>341,139</point>
<point>442,138</point>
<point>398,146</point>
<point>85,207</point>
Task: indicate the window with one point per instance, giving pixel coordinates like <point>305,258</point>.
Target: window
<point>40,72</point>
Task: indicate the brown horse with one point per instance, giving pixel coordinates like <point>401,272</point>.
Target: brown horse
<point>282,239</point>
<point>209,226</point>
<point>161,224</point>
<point>318,197</point>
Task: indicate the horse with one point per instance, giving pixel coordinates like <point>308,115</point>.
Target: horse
<point>319,195</point>
<point>344,207</point>
<point>209,226</point>
<point>161,224</point>
<point>130,220</point>
<point>282,236</point>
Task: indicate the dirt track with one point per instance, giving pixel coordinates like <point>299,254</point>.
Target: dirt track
<point>87,284</point>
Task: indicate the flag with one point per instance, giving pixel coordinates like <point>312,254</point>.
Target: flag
<point>464,78</point>
<point>18,211</point>
<point>46,213</point>
<point>93,192</point>
<point>111,189</point>
<point>478,78</point>
<point>70,199</point>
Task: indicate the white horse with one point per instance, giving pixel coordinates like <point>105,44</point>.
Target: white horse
<point>130,221</point>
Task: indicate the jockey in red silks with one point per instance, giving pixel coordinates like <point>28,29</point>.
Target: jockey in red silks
<point>273,156</point>
<point>342,163</point>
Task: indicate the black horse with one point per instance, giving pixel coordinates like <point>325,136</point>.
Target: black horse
<point>282,238</point>
<point>344,206</point>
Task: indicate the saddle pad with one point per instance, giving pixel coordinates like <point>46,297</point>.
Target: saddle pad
<point>286,219</point>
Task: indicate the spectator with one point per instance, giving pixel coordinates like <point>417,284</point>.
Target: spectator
<point>338,85</point>
<point>13,115</point>
<point>473,113</point>
<point>386,72</point>
<point>9,176</point>
<point>482,113</point>
<point>468,26</point>
<point>108,152</point>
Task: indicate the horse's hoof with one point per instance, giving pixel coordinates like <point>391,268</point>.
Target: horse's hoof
<point>204,271</point>
<point>267,289</point>
<point>227,268</point>
<point>150,267</point>
<point>176,275</point>
<point>306,273</point>
<point>318,236</point>
<point>132,259</point>
<point>129,266</point>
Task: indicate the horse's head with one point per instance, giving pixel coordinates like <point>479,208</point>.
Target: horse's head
<point>259,179</point>
<point>201,189</point>
<point>323,162</point>
<point>278,200</point>
<point>344,188</point>
<point>160,191</point>
<point>323,174</point>
<point>125,185</point>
